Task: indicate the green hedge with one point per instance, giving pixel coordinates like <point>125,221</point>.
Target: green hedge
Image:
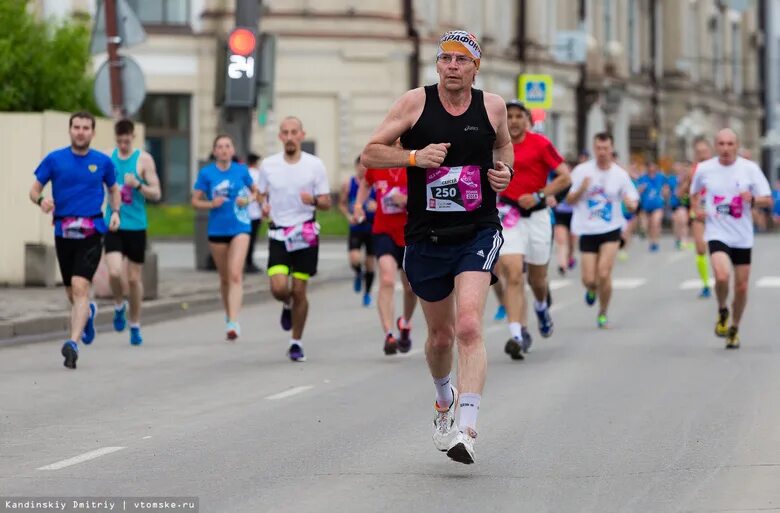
<point>178,221</point>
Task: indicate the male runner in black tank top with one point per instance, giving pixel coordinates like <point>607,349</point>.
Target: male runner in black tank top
<point>458,154</point>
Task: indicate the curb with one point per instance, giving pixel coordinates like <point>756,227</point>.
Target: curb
<point>43,329</point>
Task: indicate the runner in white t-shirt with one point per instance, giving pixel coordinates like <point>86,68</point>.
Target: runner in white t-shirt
<point>599,187</point>
<point>731,185</point>
<point>296,185</point>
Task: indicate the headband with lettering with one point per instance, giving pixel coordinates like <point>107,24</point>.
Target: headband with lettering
<point>460,41</point>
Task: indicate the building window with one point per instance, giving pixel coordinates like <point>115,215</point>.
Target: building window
<point>634,32</point>
<point>167,121</point>
<point>717,52</point>
<point>162,12</point>
<point>736,59</point>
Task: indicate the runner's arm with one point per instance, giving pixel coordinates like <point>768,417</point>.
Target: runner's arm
<point>561,182</point>
<point>151,189</point>
<point>578,186</point>
<point>380,152</point>
<point>362,196</point>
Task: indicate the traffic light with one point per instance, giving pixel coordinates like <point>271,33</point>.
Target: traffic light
<point>240,81</point>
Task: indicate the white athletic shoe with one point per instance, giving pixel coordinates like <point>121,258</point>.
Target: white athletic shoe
<point>462,447</point>
<point>444,428</point>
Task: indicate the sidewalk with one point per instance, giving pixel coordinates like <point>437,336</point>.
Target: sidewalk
<point>34,314</point>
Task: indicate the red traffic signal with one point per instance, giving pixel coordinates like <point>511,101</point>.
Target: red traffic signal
<point>242,42</point>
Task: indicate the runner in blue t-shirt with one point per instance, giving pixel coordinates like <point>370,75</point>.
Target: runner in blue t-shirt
<point>77,175</point>
<point>225,188</point>
<point>359,233</point>
<point>653,189</point>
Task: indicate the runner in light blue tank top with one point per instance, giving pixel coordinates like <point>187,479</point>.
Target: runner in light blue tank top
<point>133,209</point>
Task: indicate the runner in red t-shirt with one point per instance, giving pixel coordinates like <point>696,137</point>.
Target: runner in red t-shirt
<point>388,232</point>
<point>525,216</point>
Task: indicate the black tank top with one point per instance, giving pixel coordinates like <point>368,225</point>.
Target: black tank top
<point>471,138</point>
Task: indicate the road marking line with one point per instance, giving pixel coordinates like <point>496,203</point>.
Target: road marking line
<point>289,393</point>
<point>91,455</point>
<point>559,284</point>
<point>146,438</point>
<point>677,256</point>
<point>694,284</point>
<point>769,282</point>
<point>627,283</point>
<point>411,353</point>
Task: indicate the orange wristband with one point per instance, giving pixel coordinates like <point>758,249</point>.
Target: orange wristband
<point>412,158</point>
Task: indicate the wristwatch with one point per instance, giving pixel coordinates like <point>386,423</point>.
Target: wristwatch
<point>541,195</point>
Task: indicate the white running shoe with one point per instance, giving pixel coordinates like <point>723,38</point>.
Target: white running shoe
<point>462,447</point>
<point>444,428</point>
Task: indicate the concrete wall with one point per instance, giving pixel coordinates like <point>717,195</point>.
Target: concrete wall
<point>25,138</point>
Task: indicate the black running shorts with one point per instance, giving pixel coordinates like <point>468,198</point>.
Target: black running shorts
<point>78,257</point>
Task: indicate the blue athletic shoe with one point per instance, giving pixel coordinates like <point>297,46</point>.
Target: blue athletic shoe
<point>705,293</point>
<point>500,313</point>
<point>545,322</point>
<point>590,298</point>
<point>295,353</point>
<point>89,330</point>
<point>527,341</point>
<point>653,248</point>
<point>120,319</point>
<point>357,285</point>
<point>135,336</point>
<point>286,318</point>
<point>71,353</point>
<point>366,300</point>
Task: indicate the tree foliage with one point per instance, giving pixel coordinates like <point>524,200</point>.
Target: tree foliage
<point>44,64</point>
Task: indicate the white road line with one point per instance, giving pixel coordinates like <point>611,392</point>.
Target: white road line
<point>146,438</point>
<point>411,353</point>
<point>91,455</point>
<point>694,284</point>
<point>769,282</point>
<point>559,284</point>
<point>677,257</point>
<point>289,393</point>
<point>627,283</point>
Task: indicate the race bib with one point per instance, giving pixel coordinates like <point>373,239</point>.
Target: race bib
<point>388,205</point>
<point>127,195</point>
<point>453,189</point>
<point>296,238</point>
<point>508,215</point>
<point>734,208</point>
<point>78,227</point>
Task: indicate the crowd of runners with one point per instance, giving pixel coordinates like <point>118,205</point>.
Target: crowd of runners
<point>452,193</point>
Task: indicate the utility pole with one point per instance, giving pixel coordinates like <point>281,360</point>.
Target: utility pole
<point>115,65</point>
<point>236,121</point>
<point>582,89</point>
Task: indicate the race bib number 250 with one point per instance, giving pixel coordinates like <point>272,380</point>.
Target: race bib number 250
<point>453,189</point>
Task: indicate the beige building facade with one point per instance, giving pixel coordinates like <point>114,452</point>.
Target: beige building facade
<point>658,72</point>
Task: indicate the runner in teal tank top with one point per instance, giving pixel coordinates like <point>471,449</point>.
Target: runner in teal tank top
<point>138,181</point>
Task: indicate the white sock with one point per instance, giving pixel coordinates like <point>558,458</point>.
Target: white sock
<point>293,341</point>
<point>119,306</point>
<point>540,306</point>
<point>444,395</point>
<point>135,325</point>
<point>404,323</point>
<point>288,304</point>
<point>469,409</point>
<point>389,334</point>
<point>516,330</point>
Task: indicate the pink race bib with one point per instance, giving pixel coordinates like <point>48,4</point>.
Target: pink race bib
<point>78,227</point>
<point>453,189</point>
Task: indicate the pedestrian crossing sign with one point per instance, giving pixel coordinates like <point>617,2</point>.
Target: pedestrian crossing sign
<point>535,91</point>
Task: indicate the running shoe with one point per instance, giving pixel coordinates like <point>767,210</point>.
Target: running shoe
<point>514,349</point>
<point>232,330</point>
<point>721,326</point>
<point>120,317</point>
<point>527,340</point>
<point>295,353</point>
<point>678,245</point>
<point>135,336</point>
<point>89,329</point>
<point>366,300</point>
<point>545,322</point>
<point>405,338</point>
<point>391,344</point>
<point>444,428</point>
<point>590,298</point>
<point>286,319</point>
<point>732,339</point>
<point>357,285</point>
<point>602,321</point>
<point>622,255</point>
<point>572,263</point>
<point>705,293</point>
<point>462,447</point>
<point>500,313</point>
<point>71,353</point>
<point>653,247</point>
<point>561,271</point>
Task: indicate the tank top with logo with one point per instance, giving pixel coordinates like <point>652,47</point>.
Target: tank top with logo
<point>458,192</point>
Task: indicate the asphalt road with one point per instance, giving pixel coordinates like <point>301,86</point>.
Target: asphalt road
<point>652,415</point>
